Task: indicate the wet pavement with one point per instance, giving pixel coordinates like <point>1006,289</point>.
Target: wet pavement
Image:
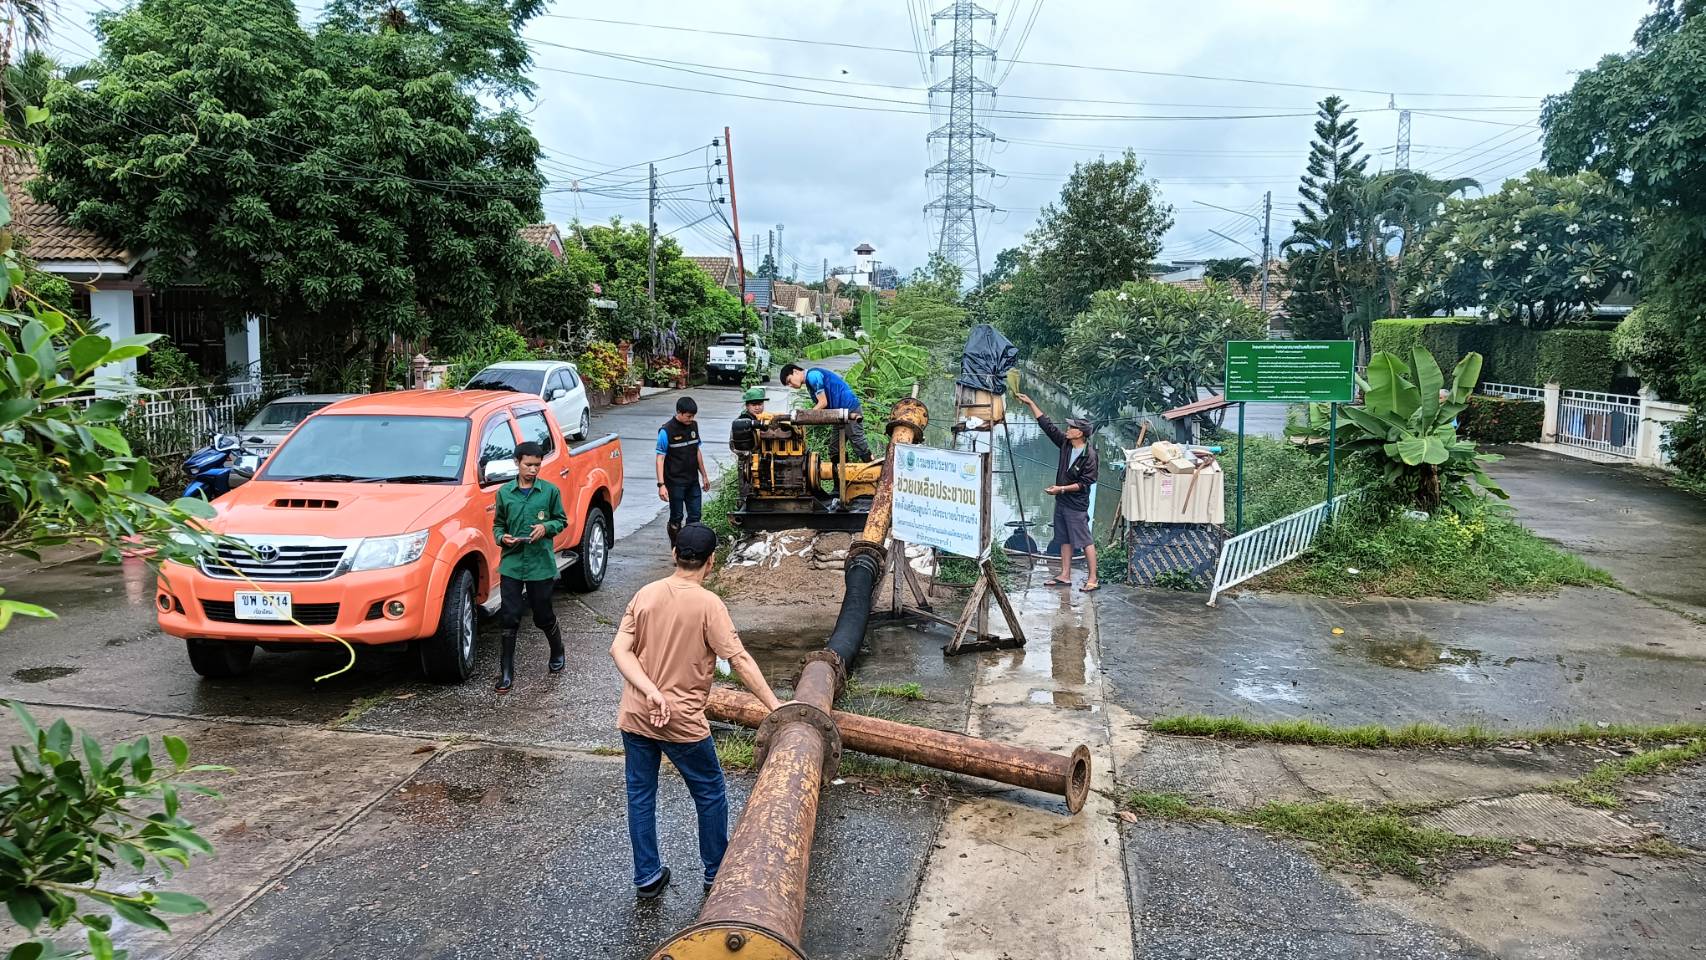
<point>1582,656</point>
<point>1222,893</point>
<point>1628,521</point>
<point>374,815</point>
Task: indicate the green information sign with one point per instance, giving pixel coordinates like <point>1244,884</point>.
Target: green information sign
<point>1291,371</point>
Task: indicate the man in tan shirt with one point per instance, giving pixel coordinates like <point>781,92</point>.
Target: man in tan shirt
<point>667,648</point>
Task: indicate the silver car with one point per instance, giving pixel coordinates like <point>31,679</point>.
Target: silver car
<point>262,435</point>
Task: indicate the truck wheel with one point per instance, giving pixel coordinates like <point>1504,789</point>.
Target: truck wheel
<point>448,655</point>
<point>219,660</point>
<point>592,556</point>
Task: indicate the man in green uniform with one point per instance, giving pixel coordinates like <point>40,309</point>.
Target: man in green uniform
<point>529,516</point>
<point>752,404</point>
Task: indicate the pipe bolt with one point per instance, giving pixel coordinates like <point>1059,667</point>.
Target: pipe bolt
<point>734,942</point>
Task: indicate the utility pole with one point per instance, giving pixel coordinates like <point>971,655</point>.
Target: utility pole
<point>958,203</point>
<point>779,249</point>
<point>734,212</point>
<point>770,255</point>
<point>652,241</point>
<point>1267,223</point>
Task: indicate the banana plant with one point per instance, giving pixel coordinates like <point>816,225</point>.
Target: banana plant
<point>889,361</point>
<point>1406,426</point>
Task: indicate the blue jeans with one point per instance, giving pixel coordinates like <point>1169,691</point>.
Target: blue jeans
<point>684,499</point>
<point>698,765</point>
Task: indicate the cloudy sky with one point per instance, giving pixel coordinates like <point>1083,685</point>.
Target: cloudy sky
<point>830,114</point>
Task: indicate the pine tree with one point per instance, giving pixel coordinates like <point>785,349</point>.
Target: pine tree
<point>1321,251</point>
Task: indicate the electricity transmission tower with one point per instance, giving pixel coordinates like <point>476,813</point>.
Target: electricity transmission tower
<point>1401,150</point>
<point>958,203</point>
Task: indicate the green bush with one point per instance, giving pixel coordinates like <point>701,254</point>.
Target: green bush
<point>1441,336</point>
<point>1501,420</point>
<point>1575,359</point>
<point>1648,341</point>
<point>495,344</point>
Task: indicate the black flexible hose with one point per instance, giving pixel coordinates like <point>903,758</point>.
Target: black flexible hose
<point>859,588</point>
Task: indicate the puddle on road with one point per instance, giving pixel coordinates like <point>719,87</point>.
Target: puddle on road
<point>42,674</point>
<point>1414,651</point>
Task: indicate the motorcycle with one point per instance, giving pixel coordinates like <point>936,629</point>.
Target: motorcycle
<point>216,468</point>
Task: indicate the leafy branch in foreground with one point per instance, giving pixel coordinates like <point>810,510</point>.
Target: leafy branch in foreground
<point>67,472</point>
<point>67,821</point>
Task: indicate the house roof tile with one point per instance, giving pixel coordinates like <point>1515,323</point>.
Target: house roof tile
<point>47,233</point>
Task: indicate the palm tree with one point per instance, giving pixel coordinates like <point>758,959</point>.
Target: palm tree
<point>26,84</point>
<point>1239,270</point>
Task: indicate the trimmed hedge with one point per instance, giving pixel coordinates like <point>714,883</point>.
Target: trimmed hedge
<point>1576,358</point>
<point>1501,420</point>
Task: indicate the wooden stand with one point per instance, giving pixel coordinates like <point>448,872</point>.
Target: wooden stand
<point>988,585</point>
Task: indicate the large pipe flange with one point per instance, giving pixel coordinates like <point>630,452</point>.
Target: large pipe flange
<point>725,940</point>
<point>865,551</point>
<point>835,663</point>
<point>797,711</point>
<point>909,412</point>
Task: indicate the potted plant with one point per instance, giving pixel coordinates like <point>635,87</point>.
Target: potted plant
<point>627,389</point>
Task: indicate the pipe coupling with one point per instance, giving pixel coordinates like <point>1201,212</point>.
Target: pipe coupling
<point>798,711</point>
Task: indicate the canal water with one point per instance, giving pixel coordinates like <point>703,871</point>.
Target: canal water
<point>1025,459</point>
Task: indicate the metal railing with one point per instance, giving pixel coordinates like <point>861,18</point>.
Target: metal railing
<point>179,420</point>
<point>1256,552</point>
<point>1513,390</point>
<point>1606,422</point>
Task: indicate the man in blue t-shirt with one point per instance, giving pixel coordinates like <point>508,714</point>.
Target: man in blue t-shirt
<point>829,392</point>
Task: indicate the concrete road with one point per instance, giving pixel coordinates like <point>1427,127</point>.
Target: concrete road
<point>1626,521</point>
<point>637,424</point>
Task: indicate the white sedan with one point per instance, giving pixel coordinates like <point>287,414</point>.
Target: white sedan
<point>557,382</point>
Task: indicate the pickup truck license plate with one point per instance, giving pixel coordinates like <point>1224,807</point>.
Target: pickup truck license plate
<point>263,606</point>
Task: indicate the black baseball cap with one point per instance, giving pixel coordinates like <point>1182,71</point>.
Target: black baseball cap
<point>695,542</point>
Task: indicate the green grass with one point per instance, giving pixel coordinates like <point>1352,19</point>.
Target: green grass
<point>1378,838</point>
<point>1414,735</point>
<point>1455,557</point>
<point>725,676</point>
<point>897,691</point>
<point>1598,789</point>
<point>735,750</point>
<point>714,513</point>
<point>357,709</point>
<point>1280,478</point>
<point>607,752</point>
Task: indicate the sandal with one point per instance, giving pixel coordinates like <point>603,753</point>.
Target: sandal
<point>1090,588</point>
<point>1057,582</point>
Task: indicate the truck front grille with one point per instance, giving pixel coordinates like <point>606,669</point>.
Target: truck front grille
<point>273,563</point>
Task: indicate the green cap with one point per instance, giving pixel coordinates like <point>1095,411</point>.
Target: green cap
<point>754,395</point>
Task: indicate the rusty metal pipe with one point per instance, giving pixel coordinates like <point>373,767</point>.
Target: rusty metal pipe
<point>1063,776</point>
<point>820,418</point>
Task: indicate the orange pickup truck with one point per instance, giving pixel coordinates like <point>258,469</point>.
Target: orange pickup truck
<point>373,523</point>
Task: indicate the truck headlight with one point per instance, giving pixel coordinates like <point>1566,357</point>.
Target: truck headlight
<point>377,553</point>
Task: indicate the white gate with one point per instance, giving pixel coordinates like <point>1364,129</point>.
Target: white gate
<point>1606,422</point>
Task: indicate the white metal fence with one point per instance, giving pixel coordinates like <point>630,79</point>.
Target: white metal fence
<point>1257,551</point>
<point>1513,391</point>
<point>1606,422</point>
<point>181,419</point>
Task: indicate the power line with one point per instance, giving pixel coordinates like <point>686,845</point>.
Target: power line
<point>1044,63</point>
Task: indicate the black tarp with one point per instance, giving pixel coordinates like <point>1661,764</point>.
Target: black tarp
<point>987,358</point>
